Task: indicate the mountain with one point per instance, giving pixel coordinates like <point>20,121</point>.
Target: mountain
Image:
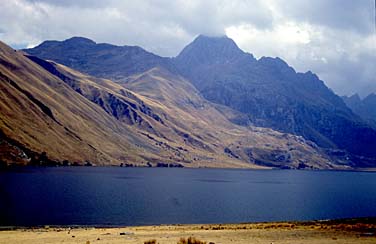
<point>99,60</point>
<point>44,115</point>
<point>273,95</point>
<point>263,92</point>
<point>365,108</point>
<point>52,114</point>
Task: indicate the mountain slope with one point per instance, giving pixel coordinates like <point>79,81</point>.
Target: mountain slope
<point>40,112</point>
<point>78,118</point>
<point>51,111</point>
<point>274,95</point>
<point>199,120</point>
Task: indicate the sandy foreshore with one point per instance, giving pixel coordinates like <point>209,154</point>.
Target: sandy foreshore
<point>339,231</point>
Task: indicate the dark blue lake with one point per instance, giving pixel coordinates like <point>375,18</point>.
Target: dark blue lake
<point>145,196</point>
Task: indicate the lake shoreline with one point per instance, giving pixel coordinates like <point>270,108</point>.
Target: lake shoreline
<point>364,220</point>
<point>359,230</point>
<point>25,167</point>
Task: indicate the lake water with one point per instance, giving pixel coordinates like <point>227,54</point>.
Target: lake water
<point>145,196</point>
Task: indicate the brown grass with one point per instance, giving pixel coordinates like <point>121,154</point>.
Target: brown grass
<point>153,241</point>
<point>191,240</point>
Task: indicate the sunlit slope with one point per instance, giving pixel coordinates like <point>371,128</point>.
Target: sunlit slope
<point>164,131</point>
<point>198,119</point>
<point>42,113</point>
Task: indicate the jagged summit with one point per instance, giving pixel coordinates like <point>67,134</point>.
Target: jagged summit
<point>365,108</point>
<point>215,40</point>
<point>354,98</point>
<point>274,61</point>
<point>210,49</point>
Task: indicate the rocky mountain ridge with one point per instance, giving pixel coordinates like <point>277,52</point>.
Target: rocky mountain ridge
<point>273,95</point>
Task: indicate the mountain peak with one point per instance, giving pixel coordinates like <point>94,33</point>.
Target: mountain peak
<point>355,97</point>
<point>215,42</point>
<point>371,98</point>
<point>207,49</point>
<point>206,38</point>
<point>98,59</point>
<point>73,41</point>
<point>79,40</point>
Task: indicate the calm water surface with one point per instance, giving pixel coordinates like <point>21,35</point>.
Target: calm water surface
<point>144,196</point>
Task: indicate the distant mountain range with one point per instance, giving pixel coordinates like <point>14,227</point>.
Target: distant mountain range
<point>211,106</point>
<point>365,108</point>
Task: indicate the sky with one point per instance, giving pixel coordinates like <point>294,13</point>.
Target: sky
<point>334,38</point>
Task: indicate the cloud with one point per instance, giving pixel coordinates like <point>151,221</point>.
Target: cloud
<point>73,3</point>
<point>335,39</point>
<point>359,72</point>
<point>332,38</point>
<point>345,60</point>
<point>161,26</point>
<point>357,16</point>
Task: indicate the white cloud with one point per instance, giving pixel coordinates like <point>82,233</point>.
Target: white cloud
<point>282,39</point>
